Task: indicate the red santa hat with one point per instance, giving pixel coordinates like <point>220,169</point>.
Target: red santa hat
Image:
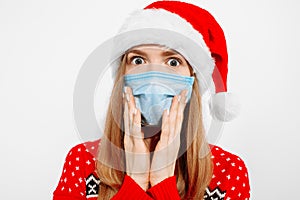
<point>193,32</point>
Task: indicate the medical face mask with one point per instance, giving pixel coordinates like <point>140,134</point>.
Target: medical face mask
<point>153,91</point>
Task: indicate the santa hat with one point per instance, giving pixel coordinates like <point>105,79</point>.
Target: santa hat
<point>194,33</point>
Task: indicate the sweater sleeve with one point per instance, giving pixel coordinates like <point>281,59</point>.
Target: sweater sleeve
<point>166,189</point>
<point>71,185</point>
<point>131,190</point>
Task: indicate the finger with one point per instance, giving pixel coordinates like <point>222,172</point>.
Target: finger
<point>126,119</point>
<point>180,112</point>
<point>173,114</point>
<point>183,100</point>
<point>137,133</point>
<point>165,126</point>
<point>127,139</point>
<point>131,104</point>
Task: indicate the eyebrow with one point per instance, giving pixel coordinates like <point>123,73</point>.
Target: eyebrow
<point>170,53</point>
<point>135,51</point>
<point>164,53</point>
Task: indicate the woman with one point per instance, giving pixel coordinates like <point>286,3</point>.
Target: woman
<point>154,145</point>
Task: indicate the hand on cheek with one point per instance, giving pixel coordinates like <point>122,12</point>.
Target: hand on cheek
<point>166,151</point>
<point>136,152</point>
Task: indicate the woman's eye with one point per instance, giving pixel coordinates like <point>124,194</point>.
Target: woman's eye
<point>173,62</point>
<point>137,61</point>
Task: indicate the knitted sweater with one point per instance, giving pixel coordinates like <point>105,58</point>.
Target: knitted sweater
<point>79,180</point>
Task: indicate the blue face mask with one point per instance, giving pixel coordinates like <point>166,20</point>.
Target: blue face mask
<point>153,92</point>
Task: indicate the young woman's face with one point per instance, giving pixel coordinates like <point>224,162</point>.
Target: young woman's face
<point>154,54</point>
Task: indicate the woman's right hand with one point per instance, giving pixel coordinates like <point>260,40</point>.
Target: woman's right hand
<point>136,152</point>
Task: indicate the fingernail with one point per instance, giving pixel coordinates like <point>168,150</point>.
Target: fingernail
<point>125,89</point>
<point>168,112</point>
<point>127,97</point>
<point>186,100</point>
<point>135,111</point>
<point>179,98</point>
<point>123,95</point>
<point>186,97</point>
<point>186,93</point>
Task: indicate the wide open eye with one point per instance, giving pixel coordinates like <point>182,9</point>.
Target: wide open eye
<point>173,62</point>
<point>137,60</point>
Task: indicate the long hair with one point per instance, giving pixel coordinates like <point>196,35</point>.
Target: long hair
<point>193,168</point>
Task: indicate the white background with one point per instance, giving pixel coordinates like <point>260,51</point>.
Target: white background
<point>44,43</point>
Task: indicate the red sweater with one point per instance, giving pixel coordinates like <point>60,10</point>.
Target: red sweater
<point>79,180</point>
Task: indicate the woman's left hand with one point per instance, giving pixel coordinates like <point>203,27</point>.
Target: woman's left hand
<point>166,150</point>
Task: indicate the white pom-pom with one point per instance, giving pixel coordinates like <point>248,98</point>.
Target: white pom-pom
<point>224,106</point>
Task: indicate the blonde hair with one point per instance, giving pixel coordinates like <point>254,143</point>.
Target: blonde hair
<point>193,168</point>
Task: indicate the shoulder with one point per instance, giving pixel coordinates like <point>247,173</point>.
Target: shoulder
<point>84,155</point>
<point>227,160</point>
<point>79,173</point>
<point>230,174</point>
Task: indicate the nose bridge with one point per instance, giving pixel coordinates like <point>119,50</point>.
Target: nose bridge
<point>156,60</point>
<point>155,56</point>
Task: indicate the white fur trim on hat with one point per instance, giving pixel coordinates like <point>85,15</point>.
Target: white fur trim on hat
<point>163,19</point>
